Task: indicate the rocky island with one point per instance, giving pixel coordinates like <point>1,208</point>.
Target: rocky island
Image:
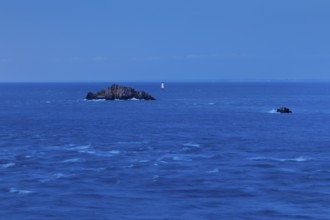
<point>120,93</point>
<point>284,110</point>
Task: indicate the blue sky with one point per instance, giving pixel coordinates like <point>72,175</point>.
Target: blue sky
<point>164,40</point>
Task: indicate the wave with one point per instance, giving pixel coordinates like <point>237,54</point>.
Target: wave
<point>73,160</point>
<point>211,103</point>
<point>56,176</point>
<point>101,153</point>
<point>87,149</point>
<point>171,157</point>
<point>177,158</point>
<point>216,170</point>
<point>21,192</point>
<point>7,165</point>
<point>104,153</point>
<point>296,159</point>
<point>61,175</point>
<point>99,169</point>
<point>144,161</point>
<point>95,100</point>
<point>132,99</point>
<point>131,142</point>
<point>81,147</point>
<point>114,152</point>
<point>191,145</point>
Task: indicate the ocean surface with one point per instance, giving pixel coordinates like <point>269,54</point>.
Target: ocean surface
<point>200,151</point>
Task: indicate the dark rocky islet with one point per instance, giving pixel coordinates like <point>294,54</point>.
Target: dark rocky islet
<point>117,92</point>
<point>284,110</point>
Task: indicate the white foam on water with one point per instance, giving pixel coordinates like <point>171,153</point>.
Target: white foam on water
<point>161,160</point>
<point>104,154</point>
<point>95,169</point>
<point>273,111</point>
<point>56,176</point>
<point>129,166</point>
<point>143,161</point>
<point>73,160</point>
<point>87,152</point>
<point>211,103</point>
<point>297,159</point>
<point>61,175</point>
<point>215,170</point>
<point>20,192</point>
<point>95,100</point>
<point>7,165</point>
<point>191,145</point>
<point>114,152</point>
<point>81,147</point>
<point>181,159</point>
<point>134,99</point>
<point>155,178</point>
<point>87,149</point>
<point>143,143</point>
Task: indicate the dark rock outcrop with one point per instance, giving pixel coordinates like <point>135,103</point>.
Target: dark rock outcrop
<point>284,110</point>
<point>119,92</point>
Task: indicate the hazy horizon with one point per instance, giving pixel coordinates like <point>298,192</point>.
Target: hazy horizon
<point>186,81</point>
<point>84,41</point>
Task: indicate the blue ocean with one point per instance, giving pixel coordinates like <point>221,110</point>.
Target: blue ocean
<point>200,151</point>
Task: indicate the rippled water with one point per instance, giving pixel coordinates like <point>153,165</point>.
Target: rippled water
<point>200,151</point>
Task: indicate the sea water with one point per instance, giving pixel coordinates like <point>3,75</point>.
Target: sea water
<point>200,151</point>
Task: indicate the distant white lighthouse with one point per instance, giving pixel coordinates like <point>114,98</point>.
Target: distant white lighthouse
<point>162,85</point>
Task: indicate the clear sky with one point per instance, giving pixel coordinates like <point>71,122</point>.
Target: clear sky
<point>164,40</point>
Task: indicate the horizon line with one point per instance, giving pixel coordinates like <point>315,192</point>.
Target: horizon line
<point>177,81</point>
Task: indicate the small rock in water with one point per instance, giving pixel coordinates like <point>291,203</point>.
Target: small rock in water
<point>284,110</point>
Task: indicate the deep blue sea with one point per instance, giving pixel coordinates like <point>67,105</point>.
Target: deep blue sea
<point>200,151</point>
